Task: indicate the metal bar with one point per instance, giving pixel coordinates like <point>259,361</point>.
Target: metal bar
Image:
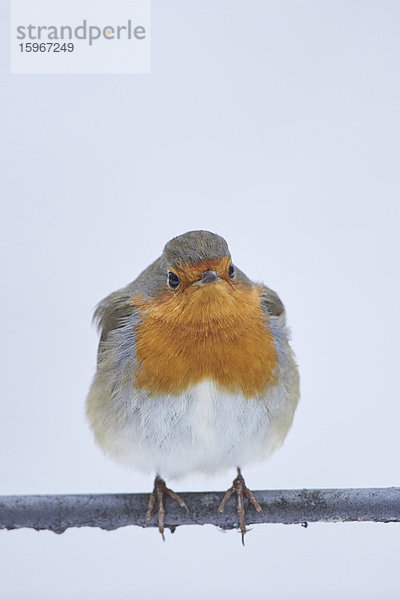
<point>110,511</point>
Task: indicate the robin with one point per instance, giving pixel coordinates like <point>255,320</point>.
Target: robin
<point>194,372</point>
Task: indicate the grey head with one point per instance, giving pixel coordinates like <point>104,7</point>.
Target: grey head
<point>190,247</point>
<point>195,246</point>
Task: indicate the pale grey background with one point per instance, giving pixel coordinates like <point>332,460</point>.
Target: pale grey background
<point>275,124</point>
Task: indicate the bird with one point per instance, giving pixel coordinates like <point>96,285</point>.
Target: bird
<point>195,371</point>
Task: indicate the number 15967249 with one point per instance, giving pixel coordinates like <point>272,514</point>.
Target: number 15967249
<point>46,47</point>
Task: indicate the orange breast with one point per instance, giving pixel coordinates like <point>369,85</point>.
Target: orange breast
<point>217,331</point>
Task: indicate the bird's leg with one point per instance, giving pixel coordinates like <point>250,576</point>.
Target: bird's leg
<point>241,490</point>
<point>158,495</point>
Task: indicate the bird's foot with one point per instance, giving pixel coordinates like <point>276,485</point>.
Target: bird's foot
<point>158,495</point>
<point>241,490</point>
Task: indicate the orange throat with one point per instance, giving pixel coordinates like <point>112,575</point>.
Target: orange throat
<point>217,331</point>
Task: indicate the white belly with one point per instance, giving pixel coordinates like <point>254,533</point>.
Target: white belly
<point>204,430</point>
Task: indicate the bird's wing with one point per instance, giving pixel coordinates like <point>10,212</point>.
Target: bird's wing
<point>271,303</point>
<point>112,312</point>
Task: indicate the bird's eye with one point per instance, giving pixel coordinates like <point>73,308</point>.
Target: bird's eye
<point>173,279</point>
<point>231,271</point>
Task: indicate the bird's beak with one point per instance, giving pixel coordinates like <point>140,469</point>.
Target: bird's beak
<point>207,277</point>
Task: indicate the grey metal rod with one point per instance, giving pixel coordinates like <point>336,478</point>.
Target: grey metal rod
<point>110,511</point>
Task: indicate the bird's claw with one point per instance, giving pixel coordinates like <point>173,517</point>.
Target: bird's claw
<point>157,494</point>
<point>241,490</point>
